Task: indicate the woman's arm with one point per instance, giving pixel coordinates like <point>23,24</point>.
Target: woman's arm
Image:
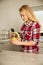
<point>34,41</point>
<point>27,43</point>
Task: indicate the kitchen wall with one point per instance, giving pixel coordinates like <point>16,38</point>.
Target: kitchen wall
<point>9,14</point>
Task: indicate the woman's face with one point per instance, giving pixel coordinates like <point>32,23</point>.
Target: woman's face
<point>24,16</point>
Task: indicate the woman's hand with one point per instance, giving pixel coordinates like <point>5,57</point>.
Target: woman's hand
<point>18,38</point>
<point>16,42</point>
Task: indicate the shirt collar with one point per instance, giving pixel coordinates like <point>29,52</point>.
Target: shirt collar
<point>29,23</point>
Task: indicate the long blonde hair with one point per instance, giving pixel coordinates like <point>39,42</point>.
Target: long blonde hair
<point>29,12</point>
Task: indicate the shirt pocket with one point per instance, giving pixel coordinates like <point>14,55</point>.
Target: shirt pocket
<point>29,33</point>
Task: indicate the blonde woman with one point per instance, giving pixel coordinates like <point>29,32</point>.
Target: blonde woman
<point>30,31</point>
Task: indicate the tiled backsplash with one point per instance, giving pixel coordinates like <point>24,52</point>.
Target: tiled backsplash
<point>41,38</point>
<point>4,34</point>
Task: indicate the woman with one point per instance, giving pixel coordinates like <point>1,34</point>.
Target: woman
<point>30,30</point>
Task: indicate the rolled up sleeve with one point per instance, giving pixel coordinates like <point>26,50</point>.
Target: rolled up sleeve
<point>36,34</point>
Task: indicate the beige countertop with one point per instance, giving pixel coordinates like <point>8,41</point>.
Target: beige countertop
<point>20,58</point>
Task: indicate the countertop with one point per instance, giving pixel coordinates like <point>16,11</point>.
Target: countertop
<point>20,58</point>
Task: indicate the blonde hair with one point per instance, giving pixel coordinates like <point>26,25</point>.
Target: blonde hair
<point>29,12</point>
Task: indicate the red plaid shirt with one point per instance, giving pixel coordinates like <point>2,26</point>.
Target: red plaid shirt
<point>31,31</point>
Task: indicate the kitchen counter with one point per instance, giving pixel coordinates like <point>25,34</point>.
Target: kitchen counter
<point>20,58</point>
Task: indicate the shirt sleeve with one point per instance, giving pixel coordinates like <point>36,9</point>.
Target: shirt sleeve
<point>36,34</point>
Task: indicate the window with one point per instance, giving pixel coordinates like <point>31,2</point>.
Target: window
<point>39,15</point>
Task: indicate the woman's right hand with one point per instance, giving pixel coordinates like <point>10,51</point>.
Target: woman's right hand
<point>16,42</point>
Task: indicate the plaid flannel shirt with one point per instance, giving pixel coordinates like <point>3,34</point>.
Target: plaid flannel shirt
<point>31,31</point>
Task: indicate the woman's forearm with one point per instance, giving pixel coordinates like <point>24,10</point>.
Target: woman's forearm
<point>27,43</point>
